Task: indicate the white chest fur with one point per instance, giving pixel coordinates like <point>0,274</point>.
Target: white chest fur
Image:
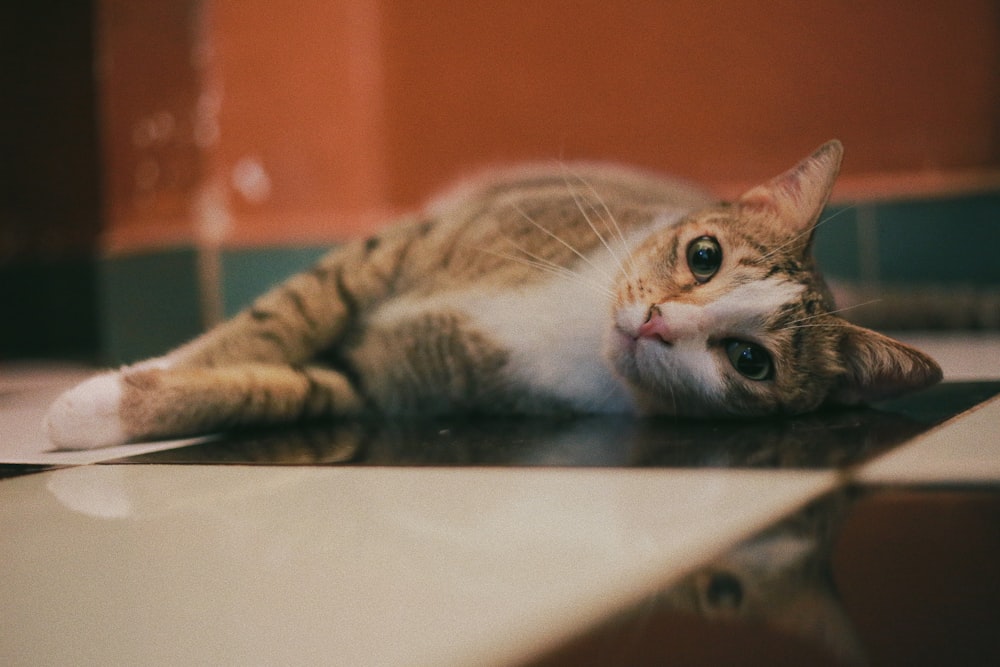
<point>554,332</point>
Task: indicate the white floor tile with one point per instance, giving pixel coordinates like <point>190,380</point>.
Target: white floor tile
<point>963,450</point>
<point>170,565</point>
<point>963,356</point>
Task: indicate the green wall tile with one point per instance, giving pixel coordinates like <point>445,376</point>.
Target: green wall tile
<point>940,241</point>
<point>835,244</point>
<point>149,303</point>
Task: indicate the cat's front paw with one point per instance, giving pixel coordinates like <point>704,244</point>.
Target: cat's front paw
<point>88,415</point>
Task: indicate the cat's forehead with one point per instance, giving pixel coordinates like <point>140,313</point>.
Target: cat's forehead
<point>727,222</point>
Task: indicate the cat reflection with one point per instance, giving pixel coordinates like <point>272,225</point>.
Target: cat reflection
<point>818,440</point>
<point>781,579</point>
<point>769,600</point>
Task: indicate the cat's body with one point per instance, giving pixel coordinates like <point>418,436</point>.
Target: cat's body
<point>567,289</point>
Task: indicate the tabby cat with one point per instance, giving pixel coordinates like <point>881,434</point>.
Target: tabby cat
<point>573,289</point>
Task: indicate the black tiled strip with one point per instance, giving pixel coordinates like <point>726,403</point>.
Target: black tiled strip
<point>18,469</point>
<point>834,438</point>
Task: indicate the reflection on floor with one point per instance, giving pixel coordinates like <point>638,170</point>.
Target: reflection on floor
<point>827,439</point>
<point>866,536</point>
<point>884,576</point>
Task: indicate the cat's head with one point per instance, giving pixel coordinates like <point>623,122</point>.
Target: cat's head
<point>724,313</point>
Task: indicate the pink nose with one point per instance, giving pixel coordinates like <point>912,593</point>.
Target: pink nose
<point>656,327</point>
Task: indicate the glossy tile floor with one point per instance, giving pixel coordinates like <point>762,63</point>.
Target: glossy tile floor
<point>864,536</point>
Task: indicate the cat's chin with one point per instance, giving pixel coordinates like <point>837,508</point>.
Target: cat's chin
<point>626,354</point>
<point>650,404</point>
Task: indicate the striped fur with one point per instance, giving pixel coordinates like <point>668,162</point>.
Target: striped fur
<point>525,293</point>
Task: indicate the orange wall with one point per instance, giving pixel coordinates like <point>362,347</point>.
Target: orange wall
<point>149,88</point>
<point>312,120</point>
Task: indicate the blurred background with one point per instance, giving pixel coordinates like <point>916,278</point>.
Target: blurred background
<point>164,161</point>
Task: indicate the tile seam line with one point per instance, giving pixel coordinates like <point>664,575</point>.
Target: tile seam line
<point>852,474</point>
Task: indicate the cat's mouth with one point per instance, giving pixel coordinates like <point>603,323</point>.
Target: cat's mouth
<point>626,338</point>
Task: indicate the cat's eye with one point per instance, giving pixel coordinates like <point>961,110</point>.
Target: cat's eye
<point>750,359</point>
<point>724,591</point>
<point>704,257</point>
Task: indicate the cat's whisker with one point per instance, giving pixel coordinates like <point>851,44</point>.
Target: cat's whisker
<point>832,312</point>
<point>612,222</point>
<point>767,256</point>
<point>558,238</point>
<point>593,227</point>
<point>544,265</point>
<point>563,273</point>
<point>836,215</point>
<point>827,325</point>
<point>539,259</point>
<point>609,221</point>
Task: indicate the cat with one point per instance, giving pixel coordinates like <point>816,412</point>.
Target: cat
<point>563,289</point>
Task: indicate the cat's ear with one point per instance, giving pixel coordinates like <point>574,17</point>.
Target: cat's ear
<point>794,200</point>
<point>878,367</point>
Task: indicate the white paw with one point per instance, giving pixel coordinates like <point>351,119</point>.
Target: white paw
<point>87,416</point>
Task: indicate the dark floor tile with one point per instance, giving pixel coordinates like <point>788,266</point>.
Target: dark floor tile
<point>825,439</point>
<point>19,469</point>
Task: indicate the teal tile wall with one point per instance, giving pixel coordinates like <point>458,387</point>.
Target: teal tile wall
<point>149,303</point>
<point>836,243</point>
<point>950,241</point>
<point>941,241</point>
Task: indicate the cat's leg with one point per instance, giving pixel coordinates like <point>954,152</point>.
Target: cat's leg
<point>152,403</point>
<point>288,326</point>
<point>310,311</point>
<point>285,325</point>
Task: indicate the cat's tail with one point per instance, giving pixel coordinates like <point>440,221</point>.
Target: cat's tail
<point>143,403</point>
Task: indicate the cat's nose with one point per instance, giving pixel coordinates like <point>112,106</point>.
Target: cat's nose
<point>656,327</point>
